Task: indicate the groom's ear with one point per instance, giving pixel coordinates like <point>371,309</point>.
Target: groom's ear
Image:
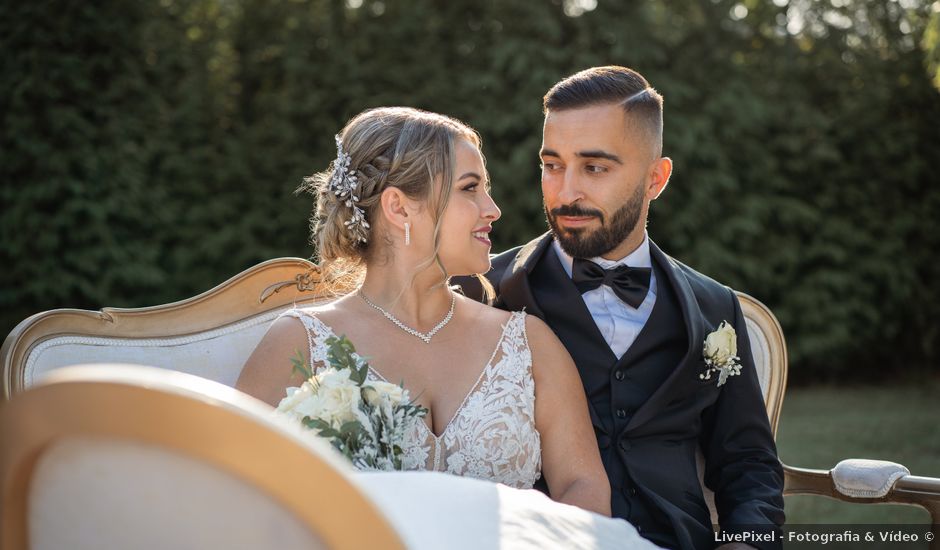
<point>658,179</point>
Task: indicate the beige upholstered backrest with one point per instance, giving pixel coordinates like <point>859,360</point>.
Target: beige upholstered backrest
<point>125,456</point>
<point>93,492</point>
<point>216,354</point>
<point>210,335</point>
<point>770,354</point>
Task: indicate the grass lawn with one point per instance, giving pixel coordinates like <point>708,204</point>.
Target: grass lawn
<point>820,426</point>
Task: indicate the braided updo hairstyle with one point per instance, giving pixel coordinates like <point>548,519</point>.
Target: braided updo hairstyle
<point>400,147</point>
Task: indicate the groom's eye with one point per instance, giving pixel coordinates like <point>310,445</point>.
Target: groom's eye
<point>595,169</point>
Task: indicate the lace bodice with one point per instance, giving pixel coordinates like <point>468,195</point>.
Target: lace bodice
<point>492,435</point>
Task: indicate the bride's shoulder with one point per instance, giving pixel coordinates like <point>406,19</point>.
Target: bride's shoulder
<point>480,312</point>
<point>313,308</point>
<point>550,358</point>
<point>538,333</point>
<point>322,310</point>
<point>315,319</point>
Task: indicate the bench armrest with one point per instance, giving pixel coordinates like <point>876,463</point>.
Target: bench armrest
<point>886,482</point>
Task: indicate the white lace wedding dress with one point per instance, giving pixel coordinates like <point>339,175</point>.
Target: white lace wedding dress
<point>492,435</point>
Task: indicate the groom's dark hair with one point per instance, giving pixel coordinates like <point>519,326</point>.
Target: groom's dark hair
<point>612,84</point>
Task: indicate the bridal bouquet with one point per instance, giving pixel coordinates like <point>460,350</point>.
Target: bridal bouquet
<point>363,419</point>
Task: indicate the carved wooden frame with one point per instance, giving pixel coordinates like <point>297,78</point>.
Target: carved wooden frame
<point>761,315</point>
<point>269,285</point>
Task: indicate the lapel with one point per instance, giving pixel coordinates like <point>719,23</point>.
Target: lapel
<point>513,288</point>
<point>694,323</point>
<point>515,292</point>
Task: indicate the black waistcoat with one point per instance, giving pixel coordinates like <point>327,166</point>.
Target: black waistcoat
<point>616,388</point>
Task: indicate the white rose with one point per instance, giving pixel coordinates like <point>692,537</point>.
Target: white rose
<point>331,378</point>
<point>721,345</point>
<point>295,396</point>
<point>339,403</point>
<point>379,390</point>
<point>313,406</point>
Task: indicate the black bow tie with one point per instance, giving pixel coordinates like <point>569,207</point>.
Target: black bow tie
<point>630,284</point>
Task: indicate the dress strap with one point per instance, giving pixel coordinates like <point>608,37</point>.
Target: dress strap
<point>317,333</point>
<point>515,333</point>
<point>514,342</point>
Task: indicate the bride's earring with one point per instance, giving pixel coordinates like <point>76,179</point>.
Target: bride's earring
<point>407,234</point>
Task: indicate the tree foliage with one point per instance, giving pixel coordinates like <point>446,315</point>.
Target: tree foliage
<point>149,150</point>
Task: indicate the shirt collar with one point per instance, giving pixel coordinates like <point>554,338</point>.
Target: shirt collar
<point>640,257</point>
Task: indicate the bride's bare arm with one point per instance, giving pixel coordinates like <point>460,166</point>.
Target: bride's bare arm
<point>571,462</point>
<point>268,371</point>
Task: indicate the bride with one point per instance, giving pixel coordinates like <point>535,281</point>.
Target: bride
<point>405,206</point>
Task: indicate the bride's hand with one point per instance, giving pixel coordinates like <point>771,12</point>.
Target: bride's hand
<point>571,462</point>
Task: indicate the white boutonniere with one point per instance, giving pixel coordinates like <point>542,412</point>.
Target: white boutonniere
<point>721,354</point>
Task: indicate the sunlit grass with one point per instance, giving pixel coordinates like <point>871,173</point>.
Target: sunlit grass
<point>821,426</point>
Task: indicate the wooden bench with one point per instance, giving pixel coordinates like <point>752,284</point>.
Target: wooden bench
<point>212,334</point>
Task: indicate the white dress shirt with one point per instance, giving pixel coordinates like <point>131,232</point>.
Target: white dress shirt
<point>619,323</point>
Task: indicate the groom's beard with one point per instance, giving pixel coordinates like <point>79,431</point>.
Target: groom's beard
<point>591,243</point>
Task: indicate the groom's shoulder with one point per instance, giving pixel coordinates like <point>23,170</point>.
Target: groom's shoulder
<point>518,257</point>
<point>695,277</point>
<point>501,262</point>
<point>710,294</point>
<point>470,285</point>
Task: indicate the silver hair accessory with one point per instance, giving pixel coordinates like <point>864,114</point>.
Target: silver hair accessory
<point>343,183</point>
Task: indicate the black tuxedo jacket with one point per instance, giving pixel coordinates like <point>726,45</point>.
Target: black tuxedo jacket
<point>656,448</point>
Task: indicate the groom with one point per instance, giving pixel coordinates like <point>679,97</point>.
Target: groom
<point>635,321</point>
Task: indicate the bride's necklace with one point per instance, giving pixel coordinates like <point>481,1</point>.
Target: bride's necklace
<point>424,336</point>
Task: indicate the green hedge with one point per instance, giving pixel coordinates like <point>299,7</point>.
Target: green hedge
<point>149,150</point>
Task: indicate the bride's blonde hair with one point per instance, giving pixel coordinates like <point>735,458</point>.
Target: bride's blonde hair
<point>409,149</point>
